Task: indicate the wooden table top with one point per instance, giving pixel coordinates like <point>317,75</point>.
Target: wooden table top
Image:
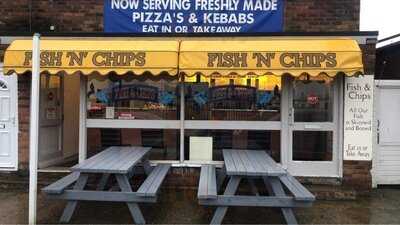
<point>250,163</point>
<point>115,159</point>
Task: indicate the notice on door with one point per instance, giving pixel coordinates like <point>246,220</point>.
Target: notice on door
<point>358,118</point>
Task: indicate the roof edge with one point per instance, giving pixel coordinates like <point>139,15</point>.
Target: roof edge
<point>103,34</point>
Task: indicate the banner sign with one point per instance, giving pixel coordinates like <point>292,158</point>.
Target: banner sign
<point>193,16</point>
<point>358,118</point>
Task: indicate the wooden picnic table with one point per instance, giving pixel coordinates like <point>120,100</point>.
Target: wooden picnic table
<point>251,165</point>
<point>114,161</point>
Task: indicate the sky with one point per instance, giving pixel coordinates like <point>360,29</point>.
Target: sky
<point>380,15</point>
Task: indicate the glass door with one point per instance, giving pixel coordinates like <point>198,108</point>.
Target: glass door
<point>313,126</point>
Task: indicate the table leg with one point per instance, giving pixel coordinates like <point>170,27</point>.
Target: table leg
<point>253,187</point>
<point>146,166</point>
<point>103,181</point>
<point>71,205</point>
<point>268,187</point>
<point>131,173</point>
<point>276,189</point>
<point>231,188</point>
<point>221,175</point>
<point>125,186</point>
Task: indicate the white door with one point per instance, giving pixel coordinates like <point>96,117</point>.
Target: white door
<point>387,156</point>
<point>8,122</point>
<point>313,126</point>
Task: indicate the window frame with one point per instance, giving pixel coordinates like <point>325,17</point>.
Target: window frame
<point>283,125</point>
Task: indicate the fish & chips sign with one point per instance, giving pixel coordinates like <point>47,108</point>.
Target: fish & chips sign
<point>86,58</point>
<point>271,60</point>
<point>193,16</point>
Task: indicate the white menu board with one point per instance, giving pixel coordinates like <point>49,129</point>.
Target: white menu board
<point>358,118</point>
<point>201,149</point>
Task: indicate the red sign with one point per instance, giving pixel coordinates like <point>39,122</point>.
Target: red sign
<point>312,99</point>
<point>125,116</point>
<point>50,96</point>
<point>96,106</point>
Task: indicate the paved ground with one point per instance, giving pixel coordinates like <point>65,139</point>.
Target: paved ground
<point>180,207</point>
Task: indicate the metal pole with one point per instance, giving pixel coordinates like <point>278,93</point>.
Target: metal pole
<point>34,129</point>
<point>82,120</point>
<point>182,122</point>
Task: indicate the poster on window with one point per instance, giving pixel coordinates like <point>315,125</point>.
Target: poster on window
<point>193,16</point>
<point>358,118</point>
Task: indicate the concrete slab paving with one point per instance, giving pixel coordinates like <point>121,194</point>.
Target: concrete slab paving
<point>180,207</point>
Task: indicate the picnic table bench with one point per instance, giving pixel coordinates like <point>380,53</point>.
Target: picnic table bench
<point>119,162</point>
<point>250,165</point>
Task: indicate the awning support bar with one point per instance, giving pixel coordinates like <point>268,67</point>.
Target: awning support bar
<point>82,120</point>
<point>34,129</point>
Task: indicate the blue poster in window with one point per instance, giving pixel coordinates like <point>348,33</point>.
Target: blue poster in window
<point>263,98</point>
<point>166,97</point>
<point>193,16</point>
<point>200,98</point>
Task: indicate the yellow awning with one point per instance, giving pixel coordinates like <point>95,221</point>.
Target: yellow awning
<point>102,56</point>
<point>270,57</point>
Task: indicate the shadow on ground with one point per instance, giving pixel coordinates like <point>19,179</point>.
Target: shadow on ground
<point>180,207</point>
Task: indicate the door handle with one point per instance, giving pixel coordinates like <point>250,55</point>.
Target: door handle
<point>378,124</point>
<point>291,116</point>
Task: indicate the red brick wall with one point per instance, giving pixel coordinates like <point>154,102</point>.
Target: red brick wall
<point>322,15</point>
<point>357,175</point>
<point>24,91</point>
<point>87,15</point>
<point>14,15</point>
<point>39,15</point>
<point>68,16</point>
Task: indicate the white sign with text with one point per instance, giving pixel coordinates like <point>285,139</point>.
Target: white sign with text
<point>358,118</point>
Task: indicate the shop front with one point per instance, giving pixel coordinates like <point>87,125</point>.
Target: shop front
<point>189,79</point>
<point>304,100</point>
<point>189,98</point>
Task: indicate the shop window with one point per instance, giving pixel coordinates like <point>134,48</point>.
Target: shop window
<point>131,97</point>
<point>110,137</point>
<point>313,99</point>
<point>268,141</point>
<point>312,145</point>
<point>245,99</point>
<point>153,138</point>
<point>164,143</point>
